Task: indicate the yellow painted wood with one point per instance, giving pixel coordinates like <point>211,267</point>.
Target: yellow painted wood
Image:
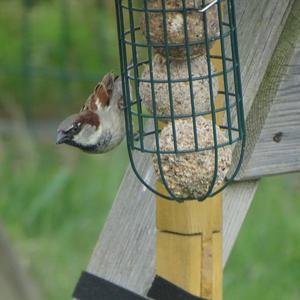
<point>178,260</point>
<point>207,265</point>
<point>193,263</point>
<point>191,256</point>
<point>217,287</point>
<point>189,217</point>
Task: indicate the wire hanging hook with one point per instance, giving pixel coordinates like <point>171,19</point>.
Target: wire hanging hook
<point>208,6</point>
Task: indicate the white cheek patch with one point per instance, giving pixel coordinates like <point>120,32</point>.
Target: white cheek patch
<point>88,135</point>
<point>98,104</point>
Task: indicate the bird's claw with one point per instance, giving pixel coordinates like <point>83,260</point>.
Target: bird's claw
<point>121,104</point>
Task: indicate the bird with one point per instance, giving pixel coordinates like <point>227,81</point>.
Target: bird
<point>100,125</point>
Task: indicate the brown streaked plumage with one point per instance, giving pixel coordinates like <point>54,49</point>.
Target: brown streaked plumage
<point>101,94</point>
<point>89,117</point>
<point>99,126</point>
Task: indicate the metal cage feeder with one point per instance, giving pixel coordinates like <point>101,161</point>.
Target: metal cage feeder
<point>182,93</point>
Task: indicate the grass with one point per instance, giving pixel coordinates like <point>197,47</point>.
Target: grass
<point>265,262</point>
<point>53,202</point>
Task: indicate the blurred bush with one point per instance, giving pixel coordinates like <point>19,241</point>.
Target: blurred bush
<point>53,200</point>
<point>53,52</point>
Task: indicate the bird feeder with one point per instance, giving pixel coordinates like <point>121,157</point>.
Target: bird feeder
<point>183,98</point>
<point>184,107</point>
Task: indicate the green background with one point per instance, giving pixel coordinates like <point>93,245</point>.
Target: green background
<point>54,199</point>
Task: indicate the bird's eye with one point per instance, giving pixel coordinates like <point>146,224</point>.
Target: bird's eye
<point>76,128</point>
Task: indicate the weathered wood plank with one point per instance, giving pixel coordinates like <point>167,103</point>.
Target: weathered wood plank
<point>125,250</point>
<point>260,23</point>
<point>124,253</point>
<point>237,200</point>
<point>273,144</point>
<point>15,283</point>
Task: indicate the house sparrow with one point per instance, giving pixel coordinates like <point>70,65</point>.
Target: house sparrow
<point>99,126</point>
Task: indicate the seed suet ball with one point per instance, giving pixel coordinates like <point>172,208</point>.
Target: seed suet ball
<point>174,22</point>
<point>189,175</point>
<point>181,91</point>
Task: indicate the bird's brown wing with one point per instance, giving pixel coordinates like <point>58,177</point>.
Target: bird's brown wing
<point>101,94</point>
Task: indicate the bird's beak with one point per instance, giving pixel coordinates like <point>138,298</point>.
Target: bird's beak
<point>61,137</point>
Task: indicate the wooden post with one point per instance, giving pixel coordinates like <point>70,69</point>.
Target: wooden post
<point>189,245</point>
<point>189,238</point>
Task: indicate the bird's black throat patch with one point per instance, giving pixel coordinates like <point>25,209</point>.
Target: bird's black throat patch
<point>100,147</point>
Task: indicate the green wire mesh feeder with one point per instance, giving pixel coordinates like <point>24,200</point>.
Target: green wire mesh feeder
<point>171,89</point>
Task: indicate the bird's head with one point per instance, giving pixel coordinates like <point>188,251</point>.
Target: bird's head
<point>80,130</point>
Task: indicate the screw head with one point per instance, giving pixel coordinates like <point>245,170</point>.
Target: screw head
<point>278,137</point>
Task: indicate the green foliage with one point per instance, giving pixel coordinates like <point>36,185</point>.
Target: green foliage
<point>53,201</point>
<point>265,262</point>
<point>60,46</point>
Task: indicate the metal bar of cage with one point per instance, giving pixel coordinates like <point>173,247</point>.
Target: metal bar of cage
<point>156,125</point>
<point>133,106</point>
